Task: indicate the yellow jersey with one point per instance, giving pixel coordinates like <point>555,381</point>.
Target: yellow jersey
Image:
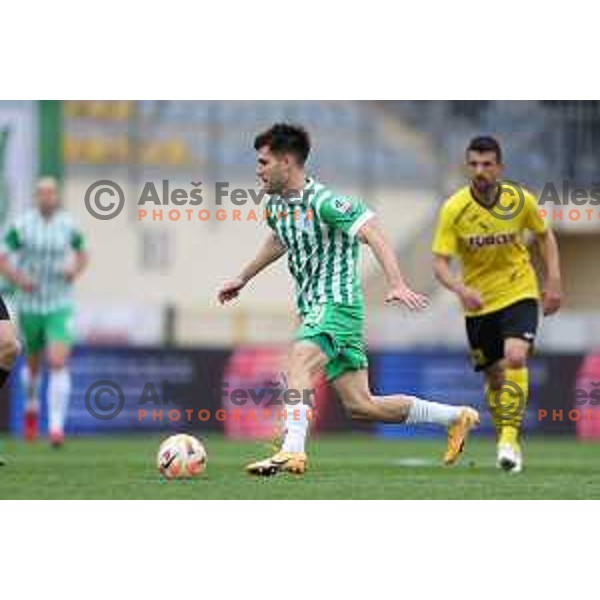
<point>492,251</point>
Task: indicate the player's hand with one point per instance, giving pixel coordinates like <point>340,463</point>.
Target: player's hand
<point>70,273</point>
<point>470,298</point>
<point>230,290</point>
<point>406,296</point>
<point>551,297</point>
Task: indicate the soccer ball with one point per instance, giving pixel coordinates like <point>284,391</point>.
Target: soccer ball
<point>181,456</point>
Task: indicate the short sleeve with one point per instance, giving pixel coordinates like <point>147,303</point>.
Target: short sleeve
<point>445,240</point>
<point>269,222</point>
<point>78,241</point>
<point>344,213</point>
<point>12,240</point>
<point>533,219</point>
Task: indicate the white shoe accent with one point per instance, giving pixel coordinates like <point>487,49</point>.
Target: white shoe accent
<point>509,459</point>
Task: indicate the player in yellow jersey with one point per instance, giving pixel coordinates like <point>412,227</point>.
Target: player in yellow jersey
<point>483,226</point>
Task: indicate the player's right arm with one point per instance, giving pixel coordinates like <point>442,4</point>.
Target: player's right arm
<point>12,244</point>
<point>445,244</point>
<point>271,250</point>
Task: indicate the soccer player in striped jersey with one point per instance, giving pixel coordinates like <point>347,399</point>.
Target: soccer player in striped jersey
<point>44,253</point>
<point>320,232</point>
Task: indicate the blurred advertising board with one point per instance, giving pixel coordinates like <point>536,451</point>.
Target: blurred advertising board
<point>448,377</point>
<point>136,389</point>
<point>126,389</point>
<point>586,409</point>
<point>122,389</point>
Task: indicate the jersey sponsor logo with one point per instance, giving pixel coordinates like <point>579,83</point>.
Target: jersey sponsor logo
<point>498,239</point>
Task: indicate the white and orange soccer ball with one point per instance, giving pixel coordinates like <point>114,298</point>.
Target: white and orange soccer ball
<point>181,456</point>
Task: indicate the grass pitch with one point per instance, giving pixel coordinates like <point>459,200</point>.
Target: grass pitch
<point>340,467</point>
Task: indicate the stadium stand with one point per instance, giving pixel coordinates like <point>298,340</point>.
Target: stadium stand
<point>402,157</point>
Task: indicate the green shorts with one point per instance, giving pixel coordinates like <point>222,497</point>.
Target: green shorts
<point>39,330</point>
<point>338,329</point>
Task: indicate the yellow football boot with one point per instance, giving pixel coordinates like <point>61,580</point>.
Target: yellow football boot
<point>290,462</point>
<point>457,433</point>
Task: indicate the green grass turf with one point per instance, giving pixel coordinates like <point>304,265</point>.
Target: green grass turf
<point>344,467</point>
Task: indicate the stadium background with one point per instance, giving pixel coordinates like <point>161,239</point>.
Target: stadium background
<point>146,305</point>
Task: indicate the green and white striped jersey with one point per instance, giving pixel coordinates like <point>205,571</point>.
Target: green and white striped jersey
<point>42,248</point>
<point>319,231</point>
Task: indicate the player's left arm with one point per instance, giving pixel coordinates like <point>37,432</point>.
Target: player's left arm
<point>351,216</point>
<point>552,290</point>
<point>80,256</point>
<point>372,234</point>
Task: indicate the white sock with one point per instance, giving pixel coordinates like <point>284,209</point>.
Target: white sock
<point>32,390</point>
<point>423,411</point>
<point>59,391</point>
<point>296,427</point>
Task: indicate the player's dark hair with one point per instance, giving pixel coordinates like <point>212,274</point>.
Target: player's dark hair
<point>285,138</point>
<point>485,143</point>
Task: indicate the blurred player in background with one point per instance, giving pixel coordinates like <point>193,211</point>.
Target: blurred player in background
<point>9,348</point>
<point>9,345</point>
<point>44,253</point>
<point>483,225</point>
<point>320,231</point>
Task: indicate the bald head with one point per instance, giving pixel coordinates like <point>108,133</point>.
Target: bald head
<point>46,194</point>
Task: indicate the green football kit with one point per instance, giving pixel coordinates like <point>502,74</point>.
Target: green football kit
<point>42,247</point>
<point>319,231</point>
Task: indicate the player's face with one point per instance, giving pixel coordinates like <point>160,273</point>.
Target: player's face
<point>483,169</point>
<point>47,197</point>
<point>273,171</point>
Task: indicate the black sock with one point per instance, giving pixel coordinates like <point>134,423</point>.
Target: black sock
<point>3,376</point>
